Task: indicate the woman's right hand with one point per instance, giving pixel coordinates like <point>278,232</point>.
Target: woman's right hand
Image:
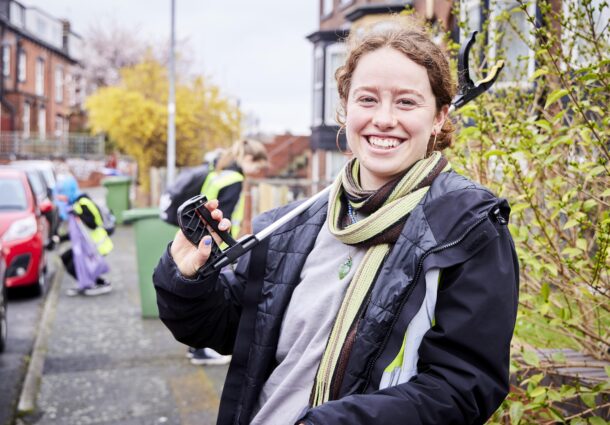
<point>187,257</point>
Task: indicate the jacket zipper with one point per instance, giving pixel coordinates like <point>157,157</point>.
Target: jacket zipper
<point>420,265</point>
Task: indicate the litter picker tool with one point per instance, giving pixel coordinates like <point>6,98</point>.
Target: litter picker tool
<point>195,219</point>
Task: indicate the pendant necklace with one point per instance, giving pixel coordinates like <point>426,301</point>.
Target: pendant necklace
<point>346,266</point>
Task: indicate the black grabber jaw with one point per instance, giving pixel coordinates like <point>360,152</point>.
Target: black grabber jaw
<point>467,90</point>
<point>196,221</point>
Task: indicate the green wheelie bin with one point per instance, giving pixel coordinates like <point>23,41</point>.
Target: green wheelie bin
<point>152,236</point>
<point>117,195</point>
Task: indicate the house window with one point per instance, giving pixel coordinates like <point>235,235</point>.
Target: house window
<point>40,77</point>
<point>17,14</point>
<point>318,85</point>
<point>26,119</point>
<point>6,60</point>
<point>59,125</point>
<point>470,15</point>
<point>42,122</point>
<point>22,66</point>
<point>576,43</point>
<point>59,84</point>
<point>327,7</point>
<point>335,161</point>
<point>335,56</point>
<point>519,59</point>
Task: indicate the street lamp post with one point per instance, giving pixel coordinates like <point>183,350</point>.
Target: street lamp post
<point>171,106</point>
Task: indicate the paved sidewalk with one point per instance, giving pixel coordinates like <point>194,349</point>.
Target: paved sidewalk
<point>104,364</point>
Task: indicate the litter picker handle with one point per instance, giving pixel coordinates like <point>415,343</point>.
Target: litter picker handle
<point>246,243</point>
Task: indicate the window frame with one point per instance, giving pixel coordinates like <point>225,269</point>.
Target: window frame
<point>567,33</point>
<point>22,64</point>
<point>59,125</point>
<point>325,12</point>
<point>524,83</point>
<point>331,96</point>
<point>26,119</point>
<point>6,60</point>
<point>318,86</point>
<point>42,122</point>
<point>335,161</point>
<point>59,84</point>
<point>39,85</point>
<point>467,7</point>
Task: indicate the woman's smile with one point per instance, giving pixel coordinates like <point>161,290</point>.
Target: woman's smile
<point>384,143</point>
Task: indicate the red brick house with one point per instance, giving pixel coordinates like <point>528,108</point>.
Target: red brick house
<point>40,85</point>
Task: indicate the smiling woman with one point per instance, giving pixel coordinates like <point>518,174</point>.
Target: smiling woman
<point>375,305</point>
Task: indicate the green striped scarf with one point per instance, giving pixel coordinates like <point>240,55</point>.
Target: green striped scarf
<point>387,209</point>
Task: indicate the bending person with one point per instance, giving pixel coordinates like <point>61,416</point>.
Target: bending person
<point>81,205</point>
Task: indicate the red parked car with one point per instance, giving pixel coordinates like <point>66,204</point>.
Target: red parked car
<point>3,325</point>
<point>22,230</point>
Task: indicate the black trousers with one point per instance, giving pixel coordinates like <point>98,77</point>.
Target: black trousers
<point>68,259</point>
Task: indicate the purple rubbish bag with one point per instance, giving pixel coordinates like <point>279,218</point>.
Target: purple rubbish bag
<point>88,262</point>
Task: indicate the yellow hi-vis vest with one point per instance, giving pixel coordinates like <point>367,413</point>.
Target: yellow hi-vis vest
<point>218,180</point>
<point>99,236</point>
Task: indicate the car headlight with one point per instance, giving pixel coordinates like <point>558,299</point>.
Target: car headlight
<point>21,229</point>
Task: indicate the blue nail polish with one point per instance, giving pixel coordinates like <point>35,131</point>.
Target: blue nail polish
<point>207,240</point>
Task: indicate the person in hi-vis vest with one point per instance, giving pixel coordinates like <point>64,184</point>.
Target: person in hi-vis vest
<point>225,183</point>
<point>90,215</point>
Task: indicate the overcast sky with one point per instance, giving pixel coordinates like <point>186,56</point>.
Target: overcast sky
<point>255,51</point>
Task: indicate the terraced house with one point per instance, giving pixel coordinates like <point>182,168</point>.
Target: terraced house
<point>41,87</point>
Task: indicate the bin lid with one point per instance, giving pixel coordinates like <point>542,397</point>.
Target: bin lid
<point>135,214</point>
<point>114,180</point>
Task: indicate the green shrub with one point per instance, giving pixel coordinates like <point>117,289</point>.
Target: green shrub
<point>544,145</point>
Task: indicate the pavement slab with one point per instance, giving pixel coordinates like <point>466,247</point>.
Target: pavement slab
<point>105,364</point>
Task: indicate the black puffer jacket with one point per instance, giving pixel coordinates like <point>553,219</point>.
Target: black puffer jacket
<point>462,377</point>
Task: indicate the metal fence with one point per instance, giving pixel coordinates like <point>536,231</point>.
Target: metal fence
<point>14,145</point>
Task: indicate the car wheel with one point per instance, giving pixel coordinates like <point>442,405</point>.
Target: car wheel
<point>42,276</point>
<point>3,325</point>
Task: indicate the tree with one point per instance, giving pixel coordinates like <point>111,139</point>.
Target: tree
<point>110,48</point>
<point>134,115</point>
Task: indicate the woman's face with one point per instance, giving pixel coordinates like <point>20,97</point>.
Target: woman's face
<point>390,115</point>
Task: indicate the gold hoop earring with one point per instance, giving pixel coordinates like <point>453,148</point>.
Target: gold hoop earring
<point>347,152</point>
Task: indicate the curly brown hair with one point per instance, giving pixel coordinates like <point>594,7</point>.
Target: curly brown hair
<point>417,46</point>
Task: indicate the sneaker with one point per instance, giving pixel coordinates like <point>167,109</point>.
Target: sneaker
<point>190,352</point>
<point>207,356</point>
<point>98,289</point>
<point>74,291</point>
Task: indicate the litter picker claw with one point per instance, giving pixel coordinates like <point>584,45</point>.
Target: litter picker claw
<point>467,90</point>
